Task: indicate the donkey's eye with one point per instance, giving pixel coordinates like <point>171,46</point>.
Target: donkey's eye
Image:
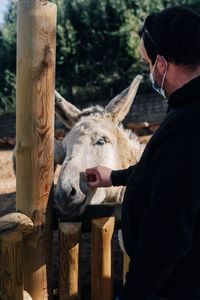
<point>101,141</point>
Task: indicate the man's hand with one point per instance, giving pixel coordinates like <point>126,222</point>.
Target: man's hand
<point>98,177</point>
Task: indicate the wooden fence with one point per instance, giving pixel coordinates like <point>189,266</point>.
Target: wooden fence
<point>16,229</point>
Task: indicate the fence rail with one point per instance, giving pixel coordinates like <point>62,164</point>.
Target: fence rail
<point>16,227</point>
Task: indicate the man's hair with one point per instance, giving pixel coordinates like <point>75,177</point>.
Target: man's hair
<point>173,33</point>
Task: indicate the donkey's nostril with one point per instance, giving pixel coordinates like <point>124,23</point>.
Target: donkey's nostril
<point>73,192</point>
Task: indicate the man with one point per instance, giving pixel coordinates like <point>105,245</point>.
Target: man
<point>161,208</point>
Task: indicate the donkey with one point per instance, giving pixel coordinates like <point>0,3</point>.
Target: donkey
<point>96,138</point>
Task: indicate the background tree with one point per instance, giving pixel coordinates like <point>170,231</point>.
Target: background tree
<point>8,59</point>
<point>98,48</point>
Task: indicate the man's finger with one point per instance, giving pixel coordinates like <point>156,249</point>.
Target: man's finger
<point>92,178</point>
<point>89,176</point>
<point>93,184</point>
<point>85,176</point>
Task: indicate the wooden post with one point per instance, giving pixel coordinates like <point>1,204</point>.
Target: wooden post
<point>11,266</point>
<point>36,46</point>
<point>69,272</point>
<point>125,266</point>
<point>102,258</point>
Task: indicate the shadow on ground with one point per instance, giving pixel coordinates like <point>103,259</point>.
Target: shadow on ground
<point>7,203</point>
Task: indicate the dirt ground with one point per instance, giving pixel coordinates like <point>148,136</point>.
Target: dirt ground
<point>8,182</point>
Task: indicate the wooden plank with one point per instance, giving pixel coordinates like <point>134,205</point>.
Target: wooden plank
<point>16,222</point>
<point>94,212</point>
<point>36,46</point>
<point>11,266</point>
<point>102,259</point>
<point>69,268</point>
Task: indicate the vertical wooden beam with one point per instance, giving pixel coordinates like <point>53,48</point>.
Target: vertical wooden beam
<point>11,266</point>
<point>102,258</point>
<point>36,46</point>
<point>126,262</point>
<point>69,269</point>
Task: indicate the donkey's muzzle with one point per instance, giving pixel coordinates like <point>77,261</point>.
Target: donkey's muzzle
<point>70,201</point>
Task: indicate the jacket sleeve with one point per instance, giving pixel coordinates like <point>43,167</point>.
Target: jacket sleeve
<point>167,224</point>
<point>120,177</point>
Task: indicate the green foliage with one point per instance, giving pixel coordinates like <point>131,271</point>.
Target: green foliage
<point>8,95</point>
<point>98,48</point>
<point>98,45</point>
<point>91,43</point>
<point>8,59</point>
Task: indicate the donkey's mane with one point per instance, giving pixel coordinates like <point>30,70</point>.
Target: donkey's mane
<point>95,109</point>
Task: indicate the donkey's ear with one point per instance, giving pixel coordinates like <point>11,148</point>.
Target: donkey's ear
<point>120,105</point>
<point>67,112</point>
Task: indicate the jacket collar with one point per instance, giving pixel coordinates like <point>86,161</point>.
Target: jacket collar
<point>188,93</point>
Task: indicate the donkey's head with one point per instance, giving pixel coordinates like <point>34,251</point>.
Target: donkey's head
<point>96,138</point>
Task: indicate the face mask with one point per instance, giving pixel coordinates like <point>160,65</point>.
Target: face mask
<point>158,89</point>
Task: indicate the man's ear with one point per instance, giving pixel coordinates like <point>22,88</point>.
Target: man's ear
<point>162,64</point>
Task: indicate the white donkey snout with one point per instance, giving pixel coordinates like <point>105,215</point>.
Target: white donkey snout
<point>70,199</point>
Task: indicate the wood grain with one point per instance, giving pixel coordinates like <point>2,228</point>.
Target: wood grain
<point>16,222</point>
<point>69,268</point>
<point>11,266</point>
<point>102,259</point>
<point>36,46</point>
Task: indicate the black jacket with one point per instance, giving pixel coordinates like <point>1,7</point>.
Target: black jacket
<point>161,208</point>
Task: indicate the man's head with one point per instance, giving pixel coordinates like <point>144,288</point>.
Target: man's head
<point>170,42</point>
